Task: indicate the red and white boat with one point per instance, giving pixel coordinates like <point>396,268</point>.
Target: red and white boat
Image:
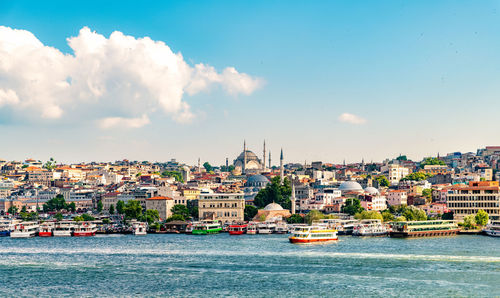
<point>312,234</point>
<point>251,229</point>
<point>46,229</point>
<point>237,229</point>
<point>84,229</point>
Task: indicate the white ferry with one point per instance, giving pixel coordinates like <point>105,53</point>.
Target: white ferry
<point>84,229</point>
<point>63,229</point>
<point>330,223</point>
<point>309,234</point>
<point>6,226</point>
<point>139,228</point>
<point>281,228</point>
<point>493,229</point>
<point>252,229</point>
<point>370,227</point>
<point>46,229</point>
<point>25,229</point>
<point>265,228</point>
<point>346,227</point>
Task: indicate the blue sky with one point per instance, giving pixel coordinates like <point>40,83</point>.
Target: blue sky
<point>422,76</point>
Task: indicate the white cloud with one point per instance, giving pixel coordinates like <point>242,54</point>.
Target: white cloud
<point>120,122</point>
<point>351,118</point>
<point>120,80</point>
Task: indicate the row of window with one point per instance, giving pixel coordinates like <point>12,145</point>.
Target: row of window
<point>472,204</point>
<point>220,205</point>
<point>473,198</point>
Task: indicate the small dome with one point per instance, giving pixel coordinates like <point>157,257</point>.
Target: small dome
<point>372,190</point>
<point>350,186</point>
<point>257,178</point>
<point>273,207</point>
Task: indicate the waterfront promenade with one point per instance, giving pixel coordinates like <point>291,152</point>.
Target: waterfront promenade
<point>248,265</point>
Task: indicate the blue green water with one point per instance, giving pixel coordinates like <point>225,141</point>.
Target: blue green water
<point>249,265</point>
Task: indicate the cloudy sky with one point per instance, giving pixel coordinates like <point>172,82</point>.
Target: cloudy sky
<point>187,79</point>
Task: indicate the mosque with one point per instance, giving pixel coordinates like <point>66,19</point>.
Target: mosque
<point>249,163</point>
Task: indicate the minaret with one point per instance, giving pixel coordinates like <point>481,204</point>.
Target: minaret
<point>282,170</point>
<point>244,157</point>
<point>199,165</point>
<point>264,157</point>
<point>269,159</point>
<point>293,198</point>
<point>227,165</point>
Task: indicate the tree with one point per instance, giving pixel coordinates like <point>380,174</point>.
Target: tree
<point>469,222</point>
<point>313,215</point>
<point>32,216</point>
<point>99,206</point>
<point>175,217</point>
<point>111,209</point>
<point>295,219</point>
<point>177,175</point>
<point>352,206</point>
<point>432,161</point>
<point>402,158</point>
<point>427,193</point>
<point>12,210</point>
<point>55,204</point>
<point>58,216</point>
<point>382,181</point>
<point>120,206</point>
<point>106,221</point>
<point>151,216</point>
<point>481,217</point>
<point>207,166</point>
<point>250,212</point>
<point>368,215</point>
<point>414,214</point>
<point>133,209</point>
<point>387,216</point>
<point>50,164</point>
<point>181,210</point>
<point>400,218</point>
<point>416,176</point>
<point>87,217</point>
<point>71,207</point>
<point>23,209</point>
<point>275,192</point>
<point>192,206</point>
<point>447,216</point>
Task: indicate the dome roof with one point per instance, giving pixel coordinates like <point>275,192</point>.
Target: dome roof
<point>350,186</point>
<point>372,190</point>
<point>273,207</point>
<point>250,156</point>
<point>257,178</point>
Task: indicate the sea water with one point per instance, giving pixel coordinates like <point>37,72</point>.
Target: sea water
<point>249,265</point>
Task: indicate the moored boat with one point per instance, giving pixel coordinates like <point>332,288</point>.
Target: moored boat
<point>428,228</point>
<point>281,228</point>
<point>25,229</point>
<point>6,226</point>
<point>311,234</point>
<point>46,229</point>
<point>346,227</point>
<point>206,227</point>
<point>139,228</point>
<point>252,229</point>
<point>265,228</point>
<point>370,227</point>
<point>63,229</point>
<point>237,229</point>
<point>493,229</point>
<point>84,229</point>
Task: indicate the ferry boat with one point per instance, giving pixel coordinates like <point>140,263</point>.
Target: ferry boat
<point>429,228</point>
<point>310,234</point>
<point>84,229</point>
<point>237,229</point>
<point>265,228</point>
<point>493,229</point>
<point>370,227</point>
<point>6,226</point>
<point>25,229</point>
<point>346,227</point>
<point>252,229</point>
<point>46,229</point>
<point>207,227</point>
<point>281,228</point>
<point>139,228</point>
<point>63,229</point>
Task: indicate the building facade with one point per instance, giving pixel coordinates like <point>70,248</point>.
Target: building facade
<point>225,207</point>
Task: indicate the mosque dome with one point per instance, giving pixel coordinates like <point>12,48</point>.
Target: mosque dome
<point>350,186</point>
<point>250,155</point>
<point>273,207</point>
<point>372,190</point>
<point>257,179</point>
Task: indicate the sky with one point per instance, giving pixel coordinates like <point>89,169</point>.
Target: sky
<point>324,80</point>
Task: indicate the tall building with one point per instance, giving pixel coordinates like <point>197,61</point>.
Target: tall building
<point>248,162</point>
<point>478,195</point>
<point>282,170</point>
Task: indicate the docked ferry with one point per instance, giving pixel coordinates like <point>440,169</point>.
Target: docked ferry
<point>46,229</point>
<point>493,229</point>
<point>310,234</point>
<point>429,228</point>
<point>252,229</point>
<point>207,227</point>
<point>139,228</point>
<point>84,229</point>
<point>237,229</point>
<point>370,227</point>
<point>346,227</point>
<point>63,229</point>
<point>25,229</point>
<point>6,226</point>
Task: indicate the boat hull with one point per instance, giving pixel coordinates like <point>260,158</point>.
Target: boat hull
<point>4,233</point>
<point>62,233</point>
<point>436,233</point>
<point>492,233</point>
<point>206,232</point>
<point>370,234</point>
<point>45,234</point>
<point>21,235</point>
<point>236,232</point>
<point>253,232</point>
<point>298,240</point>
<point>83,234</point>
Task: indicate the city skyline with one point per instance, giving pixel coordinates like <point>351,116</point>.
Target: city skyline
<point>323,81</point>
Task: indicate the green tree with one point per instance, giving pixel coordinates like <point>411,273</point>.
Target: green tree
<point>192,206</point>
<point>469,222</point>
<point>55,204</point>
<point>32,216</point>
<point>133,209</point>
<point>71,207</point>
<point>482,218</point>
<point>400,218</point>
<point>368,215</point>
<point>111,209</point>
<point>432,161</point>
<point>402,158</point>
<point>447,216</point>
<point>427,193</point>
<point>181,210</point>
<point>12,210</point>
<point>352,206</point>
<point>152,216</point>
<point>382,181</point>
<point>313,215</point>
<point>23,209</point>
<point>58,216</point>
<point>87,217</point>
<point>387,216</point>
<point>250,212</point>
<point>295,219</point>
<point>120,207</point>
<point>50,164</point>
<point>275,192</point>
<point>99,206</point>
<point>175,217</point>
<point>106,221</point>
<point>207,166</point>
<point>177,175</point>
<point>416,176</point>
<point>414,214</point>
